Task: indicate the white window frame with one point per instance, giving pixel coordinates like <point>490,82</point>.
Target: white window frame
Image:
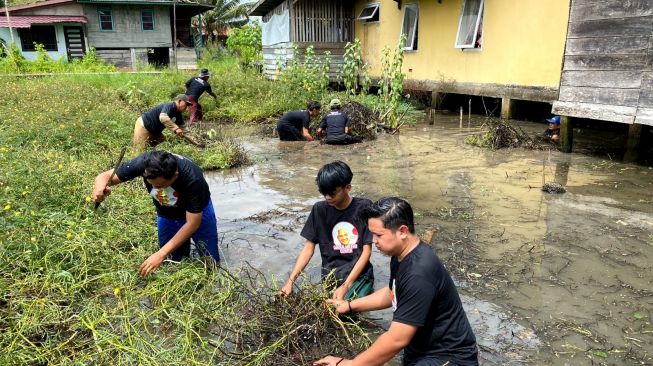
<point>478,21</point>
<point>376,7</point>
<point>415,7</point>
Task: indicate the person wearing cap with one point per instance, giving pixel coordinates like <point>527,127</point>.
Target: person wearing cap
<point>336,126</point>
<point>148,130</point>
<point>195,87</point>
<point>553,132</point>
<point>294,125</point>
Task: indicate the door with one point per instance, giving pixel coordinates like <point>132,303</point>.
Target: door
<point>74,42</point>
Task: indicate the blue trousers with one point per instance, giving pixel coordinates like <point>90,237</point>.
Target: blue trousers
<point>205,237</point>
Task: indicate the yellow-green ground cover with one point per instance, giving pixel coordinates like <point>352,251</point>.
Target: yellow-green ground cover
<point>69,289</point>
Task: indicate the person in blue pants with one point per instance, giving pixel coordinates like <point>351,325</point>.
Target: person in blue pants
<point>182,200</point>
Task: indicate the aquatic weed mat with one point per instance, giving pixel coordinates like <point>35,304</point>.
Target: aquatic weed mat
<point>500,133</point>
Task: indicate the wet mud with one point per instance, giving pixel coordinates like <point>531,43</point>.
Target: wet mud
<point>545,278</point>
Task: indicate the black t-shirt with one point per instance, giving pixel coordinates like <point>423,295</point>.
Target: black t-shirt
<point>297,119</point>
<point>151,118</point>
<point>195,87</point>
<point>335,123</point>
<point>189,192</point>
<point>340,235</point>
<point>425,296</point>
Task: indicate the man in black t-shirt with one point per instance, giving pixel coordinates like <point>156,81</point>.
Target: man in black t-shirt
<point>294,125</point>
<point>195,87</point>
<point>429,322</point>
<point>182,200</point>
<point>344,241</point>
<point>149,127</point>
<point>336,126</point>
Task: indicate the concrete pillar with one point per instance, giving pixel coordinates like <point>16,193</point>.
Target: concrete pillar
<point>566,134</point>
<point>632,144</point>
<point>436,99</point>
<point>507,108</point>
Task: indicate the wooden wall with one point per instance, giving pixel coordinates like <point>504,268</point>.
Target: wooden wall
<point>608,65</point>
<point>284,52</point>
<point>322,21</point>
<point>128,32</point>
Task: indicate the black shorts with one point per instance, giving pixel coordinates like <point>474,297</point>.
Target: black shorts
<point>288,132</point>
<point>345,140</point>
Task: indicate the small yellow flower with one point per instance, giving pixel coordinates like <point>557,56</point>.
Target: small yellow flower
<point>88,199</point>
<point>25,193</point>
<point>32,213</point>
<point>69,235</point>
<point>60,166</point>
<point>33,239</point>
<point>7,207</point>
<point>62,125</point>
<point>17,213</point>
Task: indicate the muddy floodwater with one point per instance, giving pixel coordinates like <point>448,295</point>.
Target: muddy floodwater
<point>546,279</point>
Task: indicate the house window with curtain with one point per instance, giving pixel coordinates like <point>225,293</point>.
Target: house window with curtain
<point>410,26</point>
<point>41,34</point>
<point>147,20</point>
<point>106,19</point>
<point>471,25</point>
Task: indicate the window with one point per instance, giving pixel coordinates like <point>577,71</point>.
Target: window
<point>409,26</point>
<point>106,19</point>
<point>370,13</point>
<point>470,26</point>
<point>41,34</point>
<point>147,20</point>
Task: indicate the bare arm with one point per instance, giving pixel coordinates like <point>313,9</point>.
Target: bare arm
<point>355,273</point>
<point>302,261</point>
<point>346,130</point>
<point>101,187</point>
<point>307,134</point>
<point>380,299</point>
<point>193,221</point>
<point>385,347</point>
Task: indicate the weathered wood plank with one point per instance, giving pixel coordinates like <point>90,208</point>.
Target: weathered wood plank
<point>602,79</point>
<point>611,27</point>
<point>647,80</point>
<point>646,98</point>
<point>607,45</point>
<point>644,116</point>
<point>612,96</point>
<point>603,112</point>
<point>610,9</point>
<point>605,62</point>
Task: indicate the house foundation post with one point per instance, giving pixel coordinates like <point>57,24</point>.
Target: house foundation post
<point>507,108</point>
<point>566,134</point>
<point>633,143</point>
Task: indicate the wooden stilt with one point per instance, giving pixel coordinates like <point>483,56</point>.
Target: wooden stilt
<point>507,108</point>
<point>632,144</point>
<point>566,134</point>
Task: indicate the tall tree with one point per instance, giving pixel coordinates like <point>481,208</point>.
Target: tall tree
<point>225,15</point>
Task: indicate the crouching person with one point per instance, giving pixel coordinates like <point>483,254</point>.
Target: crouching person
<point>182,200</point>
<point>336,126</point>
<point>429,322</point>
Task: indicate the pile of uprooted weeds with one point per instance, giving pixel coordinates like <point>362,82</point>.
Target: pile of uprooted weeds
<point>365,121</point>
<point>500,133</point>
<point>272,330</point>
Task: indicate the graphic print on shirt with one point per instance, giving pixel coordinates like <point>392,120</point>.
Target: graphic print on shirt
<point>165,196</point>
<point>345,237</point>
<point>394,296</point>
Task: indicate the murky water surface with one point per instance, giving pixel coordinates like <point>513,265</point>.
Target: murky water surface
<point>549,279</point>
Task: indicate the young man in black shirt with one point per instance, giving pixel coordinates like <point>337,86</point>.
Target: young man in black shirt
<point>429,322</point>
<point>344,241</point>
<point>336,126</point>
<point>294,125</point>
<point>182,200</point>
<point>195,87</point>
<point>149,127</point>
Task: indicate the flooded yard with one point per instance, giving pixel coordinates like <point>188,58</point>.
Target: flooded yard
<point>556,279</point>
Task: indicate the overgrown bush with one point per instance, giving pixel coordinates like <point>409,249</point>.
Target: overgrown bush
<point>354,69</point>
<point>247,44</point>
<point>391,84</point>
<point>14,62</point>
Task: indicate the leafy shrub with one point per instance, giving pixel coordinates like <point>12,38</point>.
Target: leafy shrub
<point>247,44</point>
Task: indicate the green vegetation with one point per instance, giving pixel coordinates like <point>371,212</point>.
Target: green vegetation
<point>354,69</point>
<point>246,43</point>
<point>14,63</point>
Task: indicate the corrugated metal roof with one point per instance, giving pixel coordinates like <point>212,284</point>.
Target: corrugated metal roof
<point>264,6</point>
<point>25,21</point>
<point>149,2</point>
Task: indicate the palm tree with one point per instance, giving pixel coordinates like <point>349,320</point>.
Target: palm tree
<point>225,15</point>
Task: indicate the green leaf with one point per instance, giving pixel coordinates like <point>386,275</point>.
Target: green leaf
<point>600,354</point>
<point>637,315</point>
